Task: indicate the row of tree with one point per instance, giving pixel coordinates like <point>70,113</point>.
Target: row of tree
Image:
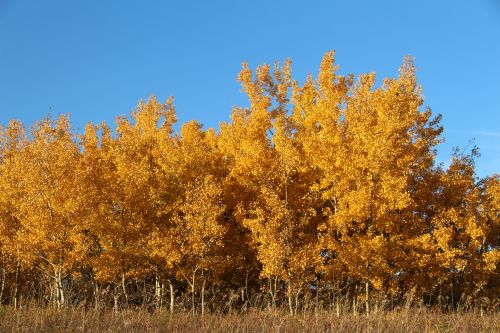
<point>324,188</point>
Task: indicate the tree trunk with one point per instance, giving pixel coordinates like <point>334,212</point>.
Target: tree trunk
<point>124,289</point>
<point>274,293</point>
<point>246,288</point>
<point>116,298</point>
<point>290,300</point>
<point>172,297</point>
<point>157,292</point>
<point>16,286</point>
<point>367,287</point>
<point>271,291</point>
<point>203,297</point>
<point>96,295</point>
<point>60,291</point>
<point>297,301</point>
<point>2,287</point>
<point>192,291</point>
<point>115,305</point>
<point>354,303</point>
<point>162,293</point>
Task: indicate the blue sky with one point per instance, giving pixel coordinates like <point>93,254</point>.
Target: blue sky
<point>96,59</point>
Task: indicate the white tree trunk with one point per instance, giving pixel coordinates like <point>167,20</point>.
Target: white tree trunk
<point>203,297</point>
<point>172,297</point>
<point>367,287</point>
<point>157,292</point>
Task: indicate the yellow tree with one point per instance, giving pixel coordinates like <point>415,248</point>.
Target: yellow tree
<point>191,241</point>
<point>199,234</point>
<point>96,174</point>
<point>265,161</point>
<point>457,254</point>
<point>318,115</point>
<point>48,209</point>
<point>132,201</point>
<point>245,144</point>
<point>367,143</point>
<point>12,141</point>
<point>285,217</point>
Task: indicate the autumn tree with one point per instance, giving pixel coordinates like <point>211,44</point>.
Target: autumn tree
<point>368,143</point>
<point>48,208</point>
<point>191,241</point>
<point>133,198</point>
<point>267,161</point>
<point>456,252</point>
<point>12,141</point>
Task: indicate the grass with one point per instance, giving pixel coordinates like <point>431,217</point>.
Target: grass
<point>419,320</point>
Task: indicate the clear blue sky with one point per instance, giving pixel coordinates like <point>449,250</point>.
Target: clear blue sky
<point>96,59</point>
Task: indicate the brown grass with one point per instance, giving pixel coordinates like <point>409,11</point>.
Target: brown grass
<point>81,320</point>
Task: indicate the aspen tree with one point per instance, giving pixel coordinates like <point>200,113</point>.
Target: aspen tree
<point>133,202</point>
<point>12,141</point>
<point>48,208</point>
<point>280,216</point>
<point>458,254</point>
<point>193,240</point>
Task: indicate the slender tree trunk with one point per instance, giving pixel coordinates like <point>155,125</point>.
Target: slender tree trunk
<point>116,298</point>
<point>297,301</point>
<point>275,289</point>
<point>115,305</point>
<point>53,289</point>
<point>354,301</point>
<point>2,287</point>
<point>271,291</point>
<point>290,300</point>
<point>192,291</point>
<point>16,286</point>
<point>60,291</point>
<point>367,287</point>
<point>157,292</point>
<point>96,295</point>
<point>162,293</point>
<point>56,290</point>
<point>124,289</point>
<point>203,297</point>
<point>246,287</point>
<point>172,297</point>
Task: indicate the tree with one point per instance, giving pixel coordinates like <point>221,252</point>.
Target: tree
<point>48,208</point>
<point>12,141</point>
<point>133,198</point>
<point>367,143</point>
<point>457,254</point>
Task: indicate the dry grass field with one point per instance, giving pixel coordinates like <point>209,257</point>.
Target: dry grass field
<point>405,320</point>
